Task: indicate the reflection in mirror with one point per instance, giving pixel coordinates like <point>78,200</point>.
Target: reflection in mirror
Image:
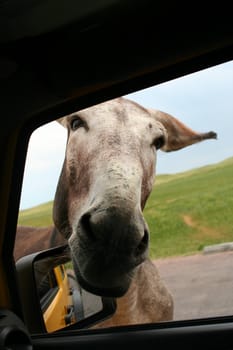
<point>58,301</point>
<point>63,302</point>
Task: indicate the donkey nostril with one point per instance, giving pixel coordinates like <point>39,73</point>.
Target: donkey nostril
<point>143,245</point>
<point>86,226</point>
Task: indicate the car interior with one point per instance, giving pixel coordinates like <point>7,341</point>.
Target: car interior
<point>58,57</point>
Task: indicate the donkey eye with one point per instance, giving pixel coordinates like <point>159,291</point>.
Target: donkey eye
<point>159,142</point>
<point>76,123</point>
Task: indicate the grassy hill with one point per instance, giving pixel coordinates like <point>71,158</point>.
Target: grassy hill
<point>185,211</point>
<point>38,216</point>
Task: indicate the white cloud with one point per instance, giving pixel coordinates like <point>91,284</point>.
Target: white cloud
<point>43,164</point>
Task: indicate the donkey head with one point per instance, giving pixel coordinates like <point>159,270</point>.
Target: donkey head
<point>107,176</point>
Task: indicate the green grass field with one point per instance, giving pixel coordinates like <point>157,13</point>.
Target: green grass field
<point>185,211</point>
<point>38,216</point>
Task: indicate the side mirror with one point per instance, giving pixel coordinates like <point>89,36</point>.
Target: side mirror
<point>52,299</point>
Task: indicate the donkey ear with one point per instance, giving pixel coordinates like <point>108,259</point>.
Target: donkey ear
<point>62,121</point>
<point>178,134</point>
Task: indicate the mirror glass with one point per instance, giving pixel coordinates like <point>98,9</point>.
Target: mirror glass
<point>63,302</point>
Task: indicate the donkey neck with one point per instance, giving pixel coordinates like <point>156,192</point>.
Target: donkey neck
<point>147,299</point>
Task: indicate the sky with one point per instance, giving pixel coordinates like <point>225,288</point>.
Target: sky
<point>202,100</point>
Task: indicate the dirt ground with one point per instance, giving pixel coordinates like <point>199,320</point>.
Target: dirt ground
<point>202,285</point>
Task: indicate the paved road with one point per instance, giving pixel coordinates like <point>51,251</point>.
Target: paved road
<point>202,285</point>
